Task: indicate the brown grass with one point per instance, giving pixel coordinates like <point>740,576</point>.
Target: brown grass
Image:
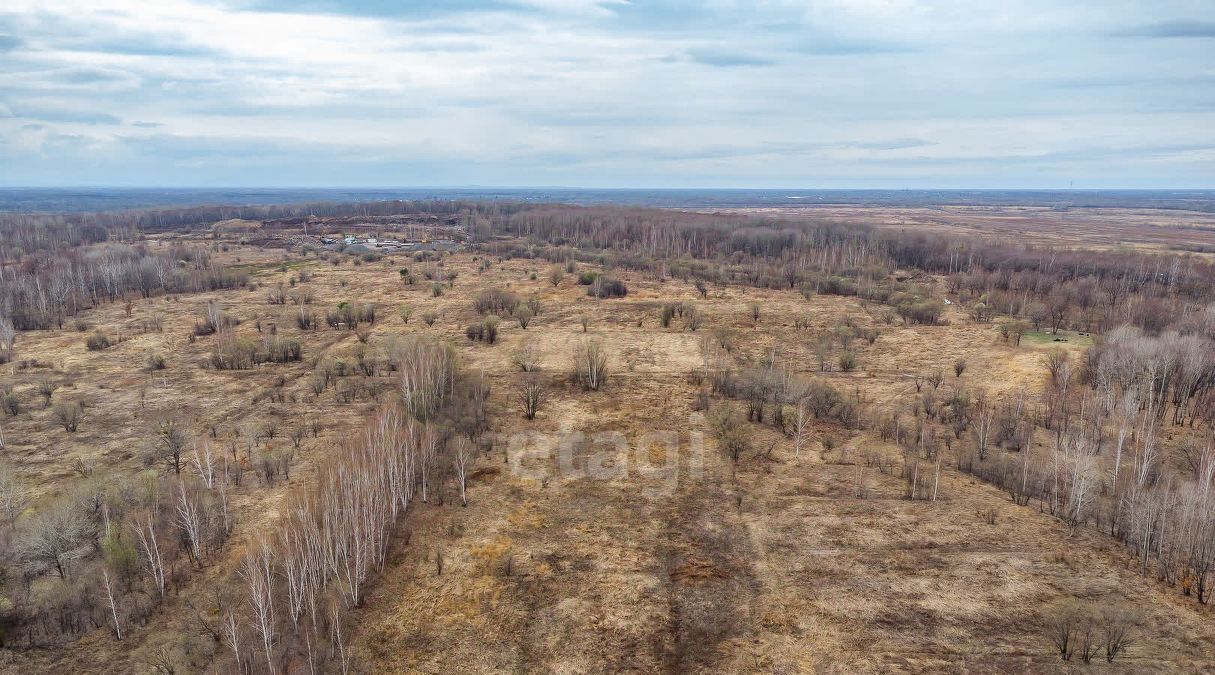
<point>773,566</point>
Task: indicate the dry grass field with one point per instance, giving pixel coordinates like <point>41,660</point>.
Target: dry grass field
<point>1092,228</point>
<point>641,548</point>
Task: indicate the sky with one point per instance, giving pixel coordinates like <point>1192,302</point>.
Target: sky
<point>608,93</point>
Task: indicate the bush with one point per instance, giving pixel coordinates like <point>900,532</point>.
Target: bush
<point>97,342</point>
<point>234,354</point>
<point>607,287</point>
<point>590,365</point>
<point>486,331</point>
<point>68,415</point>
<point>531,395</point>
<point>12,404</point>
<point>156,362</point>
<point>496,301</point>
<point>668,313</point>
<point>587,278</point>
<point>847,362</point>
<point>283,351</point>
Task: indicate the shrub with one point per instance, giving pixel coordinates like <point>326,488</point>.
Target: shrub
<point>283,351</point>
<point>587,278</point>
<point>524,315</point>
<point>527,357</point>
<point>214,320</point>
<point>68,415</point>
<point>692,318</point>
<point>486,331</point>
<point>12,404</point>
<point>733,437</point>
<point>156,362</point>
<point>234,354</point>
<point>531,395</point>
<point>668,313</point>
<point>47,388</point>
<point>847,362</point>
<point>496,301</point>
<point>97,342</point>
<point>590,365</point>
<point>607,287</point>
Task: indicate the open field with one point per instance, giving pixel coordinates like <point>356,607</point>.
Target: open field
<point>1072,227</point>
<point>613,532</point>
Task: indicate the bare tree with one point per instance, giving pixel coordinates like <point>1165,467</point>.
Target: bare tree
<point>984,418</point>
<point>14,498</point>
<point>590,365</point>
<point>150,548</point>
<point>232,638</point>
<point>109,591</point>
<point>204,464</point>
<point>531,395</point>
<point>527,356</point>
<point>426,371</point>
<point>461,457</point>
<point>1116,632</point>
<point>257,569</point>
<point>57,536</point>
<point>8,335</point>
<point>170,442</point>
<point>801,425</point>
<point>189,519</point>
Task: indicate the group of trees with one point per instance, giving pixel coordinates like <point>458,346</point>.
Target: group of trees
<point>109,551</point>
<point>298,580</point>
<point>497,303</point>
<point>47,287</point>
<point>1045,287</point>
<point>774,391</point>
<point>1109,461</point>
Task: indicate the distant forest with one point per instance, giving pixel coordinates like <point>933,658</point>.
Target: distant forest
<point>81,200</point>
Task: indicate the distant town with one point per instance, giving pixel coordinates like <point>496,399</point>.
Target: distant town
<point>362,244</point>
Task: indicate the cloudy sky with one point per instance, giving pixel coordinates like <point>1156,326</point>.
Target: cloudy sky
<point>608,93</point>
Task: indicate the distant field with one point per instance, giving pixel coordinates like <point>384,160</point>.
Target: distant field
<point>18,200</point>
<point>1110,229</point>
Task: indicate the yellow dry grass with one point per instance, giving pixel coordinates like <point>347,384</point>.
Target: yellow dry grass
<point>770,566</point>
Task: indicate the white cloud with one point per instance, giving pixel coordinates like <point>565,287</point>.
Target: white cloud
<point>597,92</point>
